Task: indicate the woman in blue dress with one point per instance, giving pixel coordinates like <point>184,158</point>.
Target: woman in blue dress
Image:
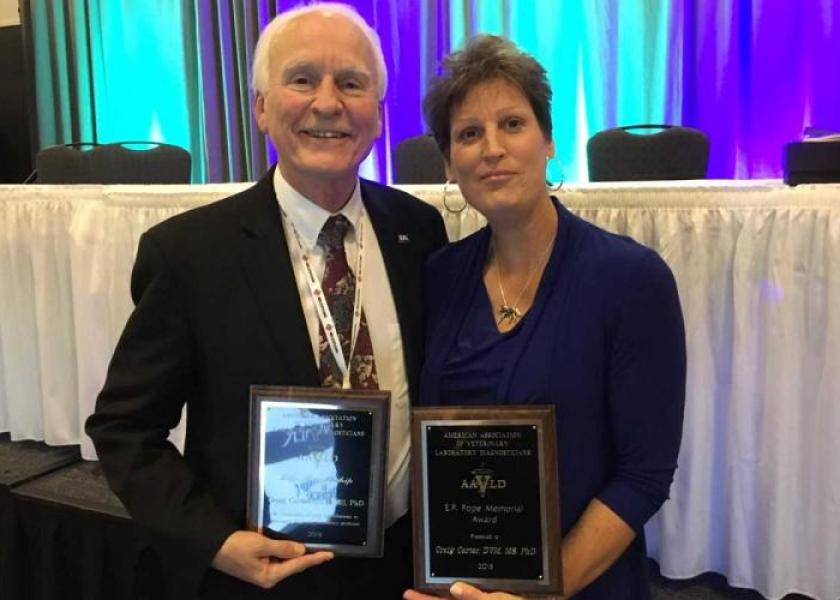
<point>543,307</point>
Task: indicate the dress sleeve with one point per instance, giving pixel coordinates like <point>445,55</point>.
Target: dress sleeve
<point>646,391</point>
<point>149,379</point>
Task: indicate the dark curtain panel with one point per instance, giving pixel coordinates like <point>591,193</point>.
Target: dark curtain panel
<point>750,73</point>
<point>224,35</point>
<point>114,71</point>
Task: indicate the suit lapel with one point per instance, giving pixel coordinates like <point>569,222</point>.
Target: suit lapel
<point>264,255</point>
<point>399,267</point>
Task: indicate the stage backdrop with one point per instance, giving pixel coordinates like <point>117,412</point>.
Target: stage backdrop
<point>750,73</point>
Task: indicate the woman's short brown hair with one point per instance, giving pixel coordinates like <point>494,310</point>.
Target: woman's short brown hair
<point>484,58</point>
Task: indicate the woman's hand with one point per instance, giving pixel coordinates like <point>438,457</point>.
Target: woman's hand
<point>462,591</point>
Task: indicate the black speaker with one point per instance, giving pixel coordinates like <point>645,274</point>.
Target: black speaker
<point>812,162</point>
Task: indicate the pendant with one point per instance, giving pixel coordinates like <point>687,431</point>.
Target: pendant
<point>508,313</point>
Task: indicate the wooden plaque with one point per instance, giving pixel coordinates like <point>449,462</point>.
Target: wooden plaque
<point>485,498</point>
<point>317,467</point>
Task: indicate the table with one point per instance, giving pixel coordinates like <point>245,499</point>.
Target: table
<point>757,493</point>
<point>22,462</point>
<point>70,537</point>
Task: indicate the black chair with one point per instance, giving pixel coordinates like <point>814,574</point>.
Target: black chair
<point>113,163</point>
<point>673,153</point>
<point>65,163</point>
<point>418,160</point>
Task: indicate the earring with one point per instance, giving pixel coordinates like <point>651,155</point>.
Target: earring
<point>445,205</point>
<point>553,187</point>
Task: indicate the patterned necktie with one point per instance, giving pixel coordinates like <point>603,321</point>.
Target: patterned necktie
<point>339,286</point>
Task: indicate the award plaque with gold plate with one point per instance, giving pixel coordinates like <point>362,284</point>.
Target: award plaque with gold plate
<point>485,498</point>
<point>317,467</point>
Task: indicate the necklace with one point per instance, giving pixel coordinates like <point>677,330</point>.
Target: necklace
<point>511,312</point>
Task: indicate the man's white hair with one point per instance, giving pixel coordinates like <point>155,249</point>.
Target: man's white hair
<point>260,70</point>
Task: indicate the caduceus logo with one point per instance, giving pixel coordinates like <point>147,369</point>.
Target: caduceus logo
<point>482,480</point>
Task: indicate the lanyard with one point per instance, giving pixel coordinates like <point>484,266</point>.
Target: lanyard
<point>319,299</point>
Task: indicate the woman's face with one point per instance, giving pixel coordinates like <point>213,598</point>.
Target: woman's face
<point>498,152</point>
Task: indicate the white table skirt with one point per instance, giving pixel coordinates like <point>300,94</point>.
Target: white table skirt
<point>757,494</point>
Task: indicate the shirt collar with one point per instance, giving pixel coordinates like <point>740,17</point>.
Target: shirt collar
<point>307,217</point>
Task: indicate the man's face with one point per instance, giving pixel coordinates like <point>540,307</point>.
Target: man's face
<point>321,108</point>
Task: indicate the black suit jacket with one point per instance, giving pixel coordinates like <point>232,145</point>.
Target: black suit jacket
<point>216,310</point>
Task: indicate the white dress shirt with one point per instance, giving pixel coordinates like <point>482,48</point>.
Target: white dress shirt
<point>307,218</point>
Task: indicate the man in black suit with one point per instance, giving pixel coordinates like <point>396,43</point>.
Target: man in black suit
<point>224,299</point>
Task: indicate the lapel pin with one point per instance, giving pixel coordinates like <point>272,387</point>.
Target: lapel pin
<point>402,238</point>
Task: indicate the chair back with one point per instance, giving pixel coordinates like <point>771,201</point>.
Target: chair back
<point>66,163</point>
<point>113,163</point>
<point>418,160</point>
<point>673,153</point>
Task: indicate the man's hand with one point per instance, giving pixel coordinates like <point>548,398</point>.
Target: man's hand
<point>262,561</point>
<point>462,591</point>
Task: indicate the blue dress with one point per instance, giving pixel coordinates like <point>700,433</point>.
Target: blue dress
<point>603,341</point>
